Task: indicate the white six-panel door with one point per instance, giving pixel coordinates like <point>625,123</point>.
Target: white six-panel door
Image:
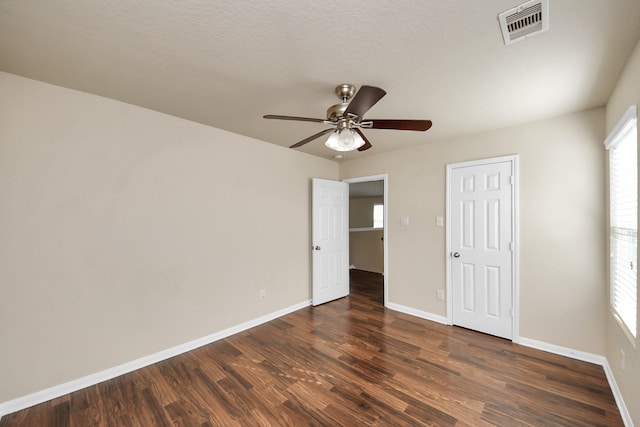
<point>330,240</point>
<point>481,244</point>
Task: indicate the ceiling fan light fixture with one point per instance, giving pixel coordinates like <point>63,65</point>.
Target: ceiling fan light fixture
<point>344,140</point>
<point>347,117</point>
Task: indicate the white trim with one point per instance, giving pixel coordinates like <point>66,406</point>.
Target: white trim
<point>98,377</point>
<point>562,351</point>
<point>585,357</point>
<point>514,159</point>
<point>385,234</point>
<point>628,118</point>
<point>515,192</point>
<point>418,313</point>
<point>385,237</point>
<point>359,229</point>
<point>447,256</point>
<point>617,395</point>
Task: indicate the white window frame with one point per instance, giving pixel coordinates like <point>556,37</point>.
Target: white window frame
<point>626,124</point>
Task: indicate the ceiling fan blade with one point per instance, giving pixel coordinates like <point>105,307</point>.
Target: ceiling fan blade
<point>365,98</point>
<point>311,138</point>
<point>419,125</point>
<point>300,119</point>
<point>367,144</point>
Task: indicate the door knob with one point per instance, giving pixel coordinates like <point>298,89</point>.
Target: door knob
<point>456,254</point>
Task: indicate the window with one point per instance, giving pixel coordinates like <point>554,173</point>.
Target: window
<point>378,216</point>
<point>622,144</point>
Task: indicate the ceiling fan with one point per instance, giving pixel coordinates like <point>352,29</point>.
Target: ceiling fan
<point>347,119</point>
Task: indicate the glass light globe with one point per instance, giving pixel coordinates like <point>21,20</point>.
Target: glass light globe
<point>344,140</point>
<point>333,141</point>
<point>357,140</point>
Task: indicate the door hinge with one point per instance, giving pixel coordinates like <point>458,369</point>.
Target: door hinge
<point>511,180</point>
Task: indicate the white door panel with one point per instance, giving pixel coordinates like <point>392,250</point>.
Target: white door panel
<point>330,239</point>
<point>481,236</point>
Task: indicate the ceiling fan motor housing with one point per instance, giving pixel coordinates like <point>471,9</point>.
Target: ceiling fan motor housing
<point>345,92</point>
<point>336,111</point>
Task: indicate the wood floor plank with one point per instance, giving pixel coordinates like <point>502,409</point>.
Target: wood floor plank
<point>348,362</point>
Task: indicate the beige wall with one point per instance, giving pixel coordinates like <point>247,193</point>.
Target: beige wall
<point>562,256</point>
<point>626,93</point>
<point>124,232</point>
<point>361,211</point>
<point>366,250</point>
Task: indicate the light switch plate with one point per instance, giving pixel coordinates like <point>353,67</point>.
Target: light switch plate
<point>439,221</point>
<point>404,221</point>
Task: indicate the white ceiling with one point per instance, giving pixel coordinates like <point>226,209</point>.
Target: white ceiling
<point>226,63</point>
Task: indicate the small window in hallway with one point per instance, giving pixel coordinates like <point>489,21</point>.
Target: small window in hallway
<point>378,216</point>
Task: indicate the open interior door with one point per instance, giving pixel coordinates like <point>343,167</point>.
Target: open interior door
<point>330,240</point>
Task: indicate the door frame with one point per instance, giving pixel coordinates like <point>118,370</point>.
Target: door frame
<point>385,232</point>
<point>515,230</point>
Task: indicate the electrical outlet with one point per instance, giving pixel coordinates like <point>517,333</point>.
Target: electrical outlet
<point>440,294</point>
<point>263,294</point>
<point>622,359</point>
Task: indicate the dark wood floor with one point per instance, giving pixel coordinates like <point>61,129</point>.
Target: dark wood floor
<point>349,362</point>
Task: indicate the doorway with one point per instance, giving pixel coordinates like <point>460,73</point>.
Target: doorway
<point>482,244</point>
<point>368,227</point>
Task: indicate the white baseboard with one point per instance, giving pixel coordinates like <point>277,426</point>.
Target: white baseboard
<point>624,412</point>
<point>418,313</point>
<point>562,351</point>
<point>585,357</point>
<point>80,383</point>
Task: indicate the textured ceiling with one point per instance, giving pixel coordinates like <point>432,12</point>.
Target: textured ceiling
<point>226,63</point>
